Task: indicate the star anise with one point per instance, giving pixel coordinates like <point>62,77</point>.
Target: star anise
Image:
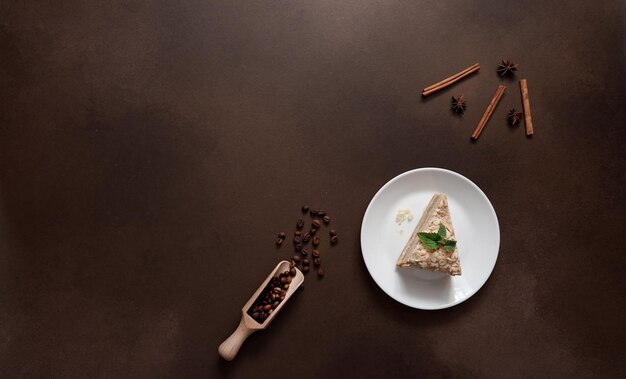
<point>458,104</point>
<point>506,67</point>
<point>515,117</point>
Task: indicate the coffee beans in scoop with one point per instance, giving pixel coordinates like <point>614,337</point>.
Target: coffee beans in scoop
<point>271,296</point>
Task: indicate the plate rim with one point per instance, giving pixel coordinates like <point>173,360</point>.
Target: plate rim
<point>446,171</point>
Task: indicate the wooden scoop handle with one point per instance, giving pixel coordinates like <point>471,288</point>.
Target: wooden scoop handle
<point>229,348</point>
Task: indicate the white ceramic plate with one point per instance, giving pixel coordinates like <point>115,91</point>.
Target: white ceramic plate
<point>475,224</point>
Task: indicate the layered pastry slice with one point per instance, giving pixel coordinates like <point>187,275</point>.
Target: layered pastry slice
<point>433,243</point>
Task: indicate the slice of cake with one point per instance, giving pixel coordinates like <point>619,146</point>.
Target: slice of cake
<point>433,244</point>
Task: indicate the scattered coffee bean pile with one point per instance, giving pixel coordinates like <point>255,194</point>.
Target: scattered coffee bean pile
<point>302,238</point>
<point>271,296</point>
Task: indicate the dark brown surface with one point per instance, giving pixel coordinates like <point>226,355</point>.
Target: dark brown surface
<point>150,152</point>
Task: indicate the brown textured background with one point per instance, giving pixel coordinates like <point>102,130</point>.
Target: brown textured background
<point>149,152</point>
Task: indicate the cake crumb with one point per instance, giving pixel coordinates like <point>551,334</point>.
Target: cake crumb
<point>404,215</point>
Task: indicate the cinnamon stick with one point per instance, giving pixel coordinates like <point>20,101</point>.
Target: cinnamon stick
<point>488,111</point>
<point>528,121</point>
<point>448,81</point>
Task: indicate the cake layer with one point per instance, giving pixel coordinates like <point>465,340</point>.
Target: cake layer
<point>415,254</point>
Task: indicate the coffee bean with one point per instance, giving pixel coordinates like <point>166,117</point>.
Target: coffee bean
<point>275,304</point>
<point>299,224</point>
<point>255,315</point>
<point>316,240</point>
<point>316,223</point>
<point>305,208</point>
<point>296,258</point>
<point>270,312</point>
<point>298,247</point>
<point>306,237</point>
<point>334,240</point>
<point>286,286</point>
<point>317,261</point>
<point>283,280</point>
<point>297,233</point>
<point>291,264</point>
<point>319,212</point>
<point>297,239</point>
<point>282,235</point>
<point>332,232</point>
<point>313,231</point>
<point>327,219</point>
<point>306,262</point>
<point>292,272</point>
<point>315,254</point>
<point>267,307</point>
<point>304,252</point>
<point>289,280</point>
<point>320,272</point>
<point>276,289</point>
<point>282,297</point>
<point>305,269</point>
<point>279,241</point>
<point>286,273</point>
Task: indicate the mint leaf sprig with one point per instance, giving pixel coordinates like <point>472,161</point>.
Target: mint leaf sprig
<point>433,240</point>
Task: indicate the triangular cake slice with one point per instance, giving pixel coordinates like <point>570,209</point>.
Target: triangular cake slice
<point>415,254</point>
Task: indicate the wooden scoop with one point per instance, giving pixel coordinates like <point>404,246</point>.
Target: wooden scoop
<point>229,348</point>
